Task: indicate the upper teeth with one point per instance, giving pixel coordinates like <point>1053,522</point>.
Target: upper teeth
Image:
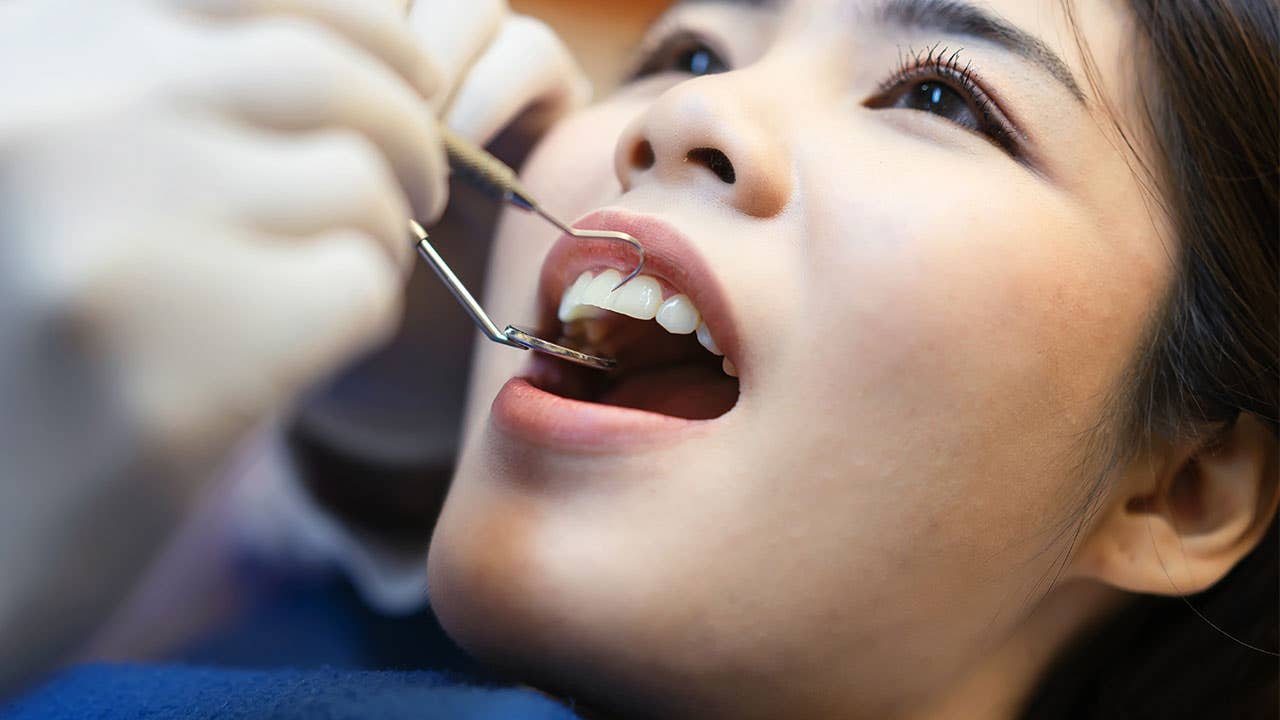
<point>641,298</point>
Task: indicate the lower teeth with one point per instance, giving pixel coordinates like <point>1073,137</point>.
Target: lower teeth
<point>605,336</point>
<point>587,335</point>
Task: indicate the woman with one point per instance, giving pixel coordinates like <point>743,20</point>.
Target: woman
<point>998,308</point>
<point>995,289</point>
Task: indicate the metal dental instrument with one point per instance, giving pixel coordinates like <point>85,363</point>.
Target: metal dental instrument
<point>512,336</point>
<point>493,177</point>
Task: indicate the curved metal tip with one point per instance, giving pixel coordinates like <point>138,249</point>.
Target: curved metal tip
<point>639,266</point>
<point>621,237</point>
<point>605,234</point>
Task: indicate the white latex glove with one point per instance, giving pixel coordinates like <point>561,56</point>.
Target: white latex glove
<point>494,67</point>
<point>218,207</point>
<point>202,209</point>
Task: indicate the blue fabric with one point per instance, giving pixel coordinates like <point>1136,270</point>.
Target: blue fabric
<point>174,692</point>
<point>314,622</point>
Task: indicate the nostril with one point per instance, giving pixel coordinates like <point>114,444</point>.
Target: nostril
<point>715,161</point>
<point>642,155</point>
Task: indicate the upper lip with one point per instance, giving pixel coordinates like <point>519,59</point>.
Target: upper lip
<point>669,256</point>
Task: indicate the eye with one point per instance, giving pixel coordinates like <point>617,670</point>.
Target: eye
<point>683,53</point>
<point>935,83</point>
<point>935,97</point>
<point>698,60</point>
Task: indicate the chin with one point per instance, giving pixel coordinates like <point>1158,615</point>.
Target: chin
<point>569,584</point>
<point>516,604</point>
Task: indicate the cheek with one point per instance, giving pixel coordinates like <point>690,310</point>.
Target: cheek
<point>971,329</point>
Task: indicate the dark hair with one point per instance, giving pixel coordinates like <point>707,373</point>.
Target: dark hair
<point>1210,92</point>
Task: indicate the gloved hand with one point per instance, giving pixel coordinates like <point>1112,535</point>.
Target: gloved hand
<point>494,66</point>
<point>496,69</point>
<point>203,208</point>
<point>207,199</point>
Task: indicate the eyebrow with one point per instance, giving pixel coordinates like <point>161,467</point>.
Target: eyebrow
<point>951,17</point>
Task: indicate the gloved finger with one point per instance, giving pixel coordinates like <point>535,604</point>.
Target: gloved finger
<point>290,76</point>
<point>377,27</point>
<point>453,35</point>
<point>526,64</point>
<point>254,318</point>
<point>300,187</point>
<point>318,303</point>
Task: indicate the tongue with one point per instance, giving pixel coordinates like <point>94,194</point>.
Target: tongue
<point>695,390</point>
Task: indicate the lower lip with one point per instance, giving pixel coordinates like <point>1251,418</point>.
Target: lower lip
<point>536,416</point>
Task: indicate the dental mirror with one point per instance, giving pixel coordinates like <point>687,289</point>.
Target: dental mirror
<point>512,336</point>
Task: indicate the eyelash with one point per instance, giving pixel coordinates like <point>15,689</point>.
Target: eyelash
<point>936,63</point>
<point>941,64</point>
<point>660,46</point>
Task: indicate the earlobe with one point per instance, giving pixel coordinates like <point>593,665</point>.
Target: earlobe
<point>1180,518</point>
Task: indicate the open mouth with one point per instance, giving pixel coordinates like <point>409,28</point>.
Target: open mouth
<point>669,359</point>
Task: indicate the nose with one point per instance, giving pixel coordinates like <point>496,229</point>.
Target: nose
<point>705,135</point>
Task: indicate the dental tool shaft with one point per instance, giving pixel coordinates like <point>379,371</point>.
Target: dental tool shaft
<point>497,180</point>
<point>484,171</point>
<point>513,336</point>
<point>459,291</point>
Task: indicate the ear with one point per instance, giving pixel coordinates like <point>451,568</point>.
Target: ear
<point>1182,516</point>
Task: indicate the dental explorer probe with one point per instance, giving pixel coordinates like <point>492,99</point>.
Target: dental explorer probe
<point>494,178</point>
<point>512,336</point>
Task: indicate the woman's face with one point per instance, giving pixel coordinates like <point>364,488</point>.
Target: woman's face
<point>930,269</point>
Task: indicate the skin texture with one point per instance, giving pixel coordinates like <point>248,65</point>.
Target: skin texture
<point>928,329</point>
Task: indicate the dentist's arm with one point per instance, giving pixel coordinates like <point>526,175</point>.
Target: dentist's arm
<point>202,210</point>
